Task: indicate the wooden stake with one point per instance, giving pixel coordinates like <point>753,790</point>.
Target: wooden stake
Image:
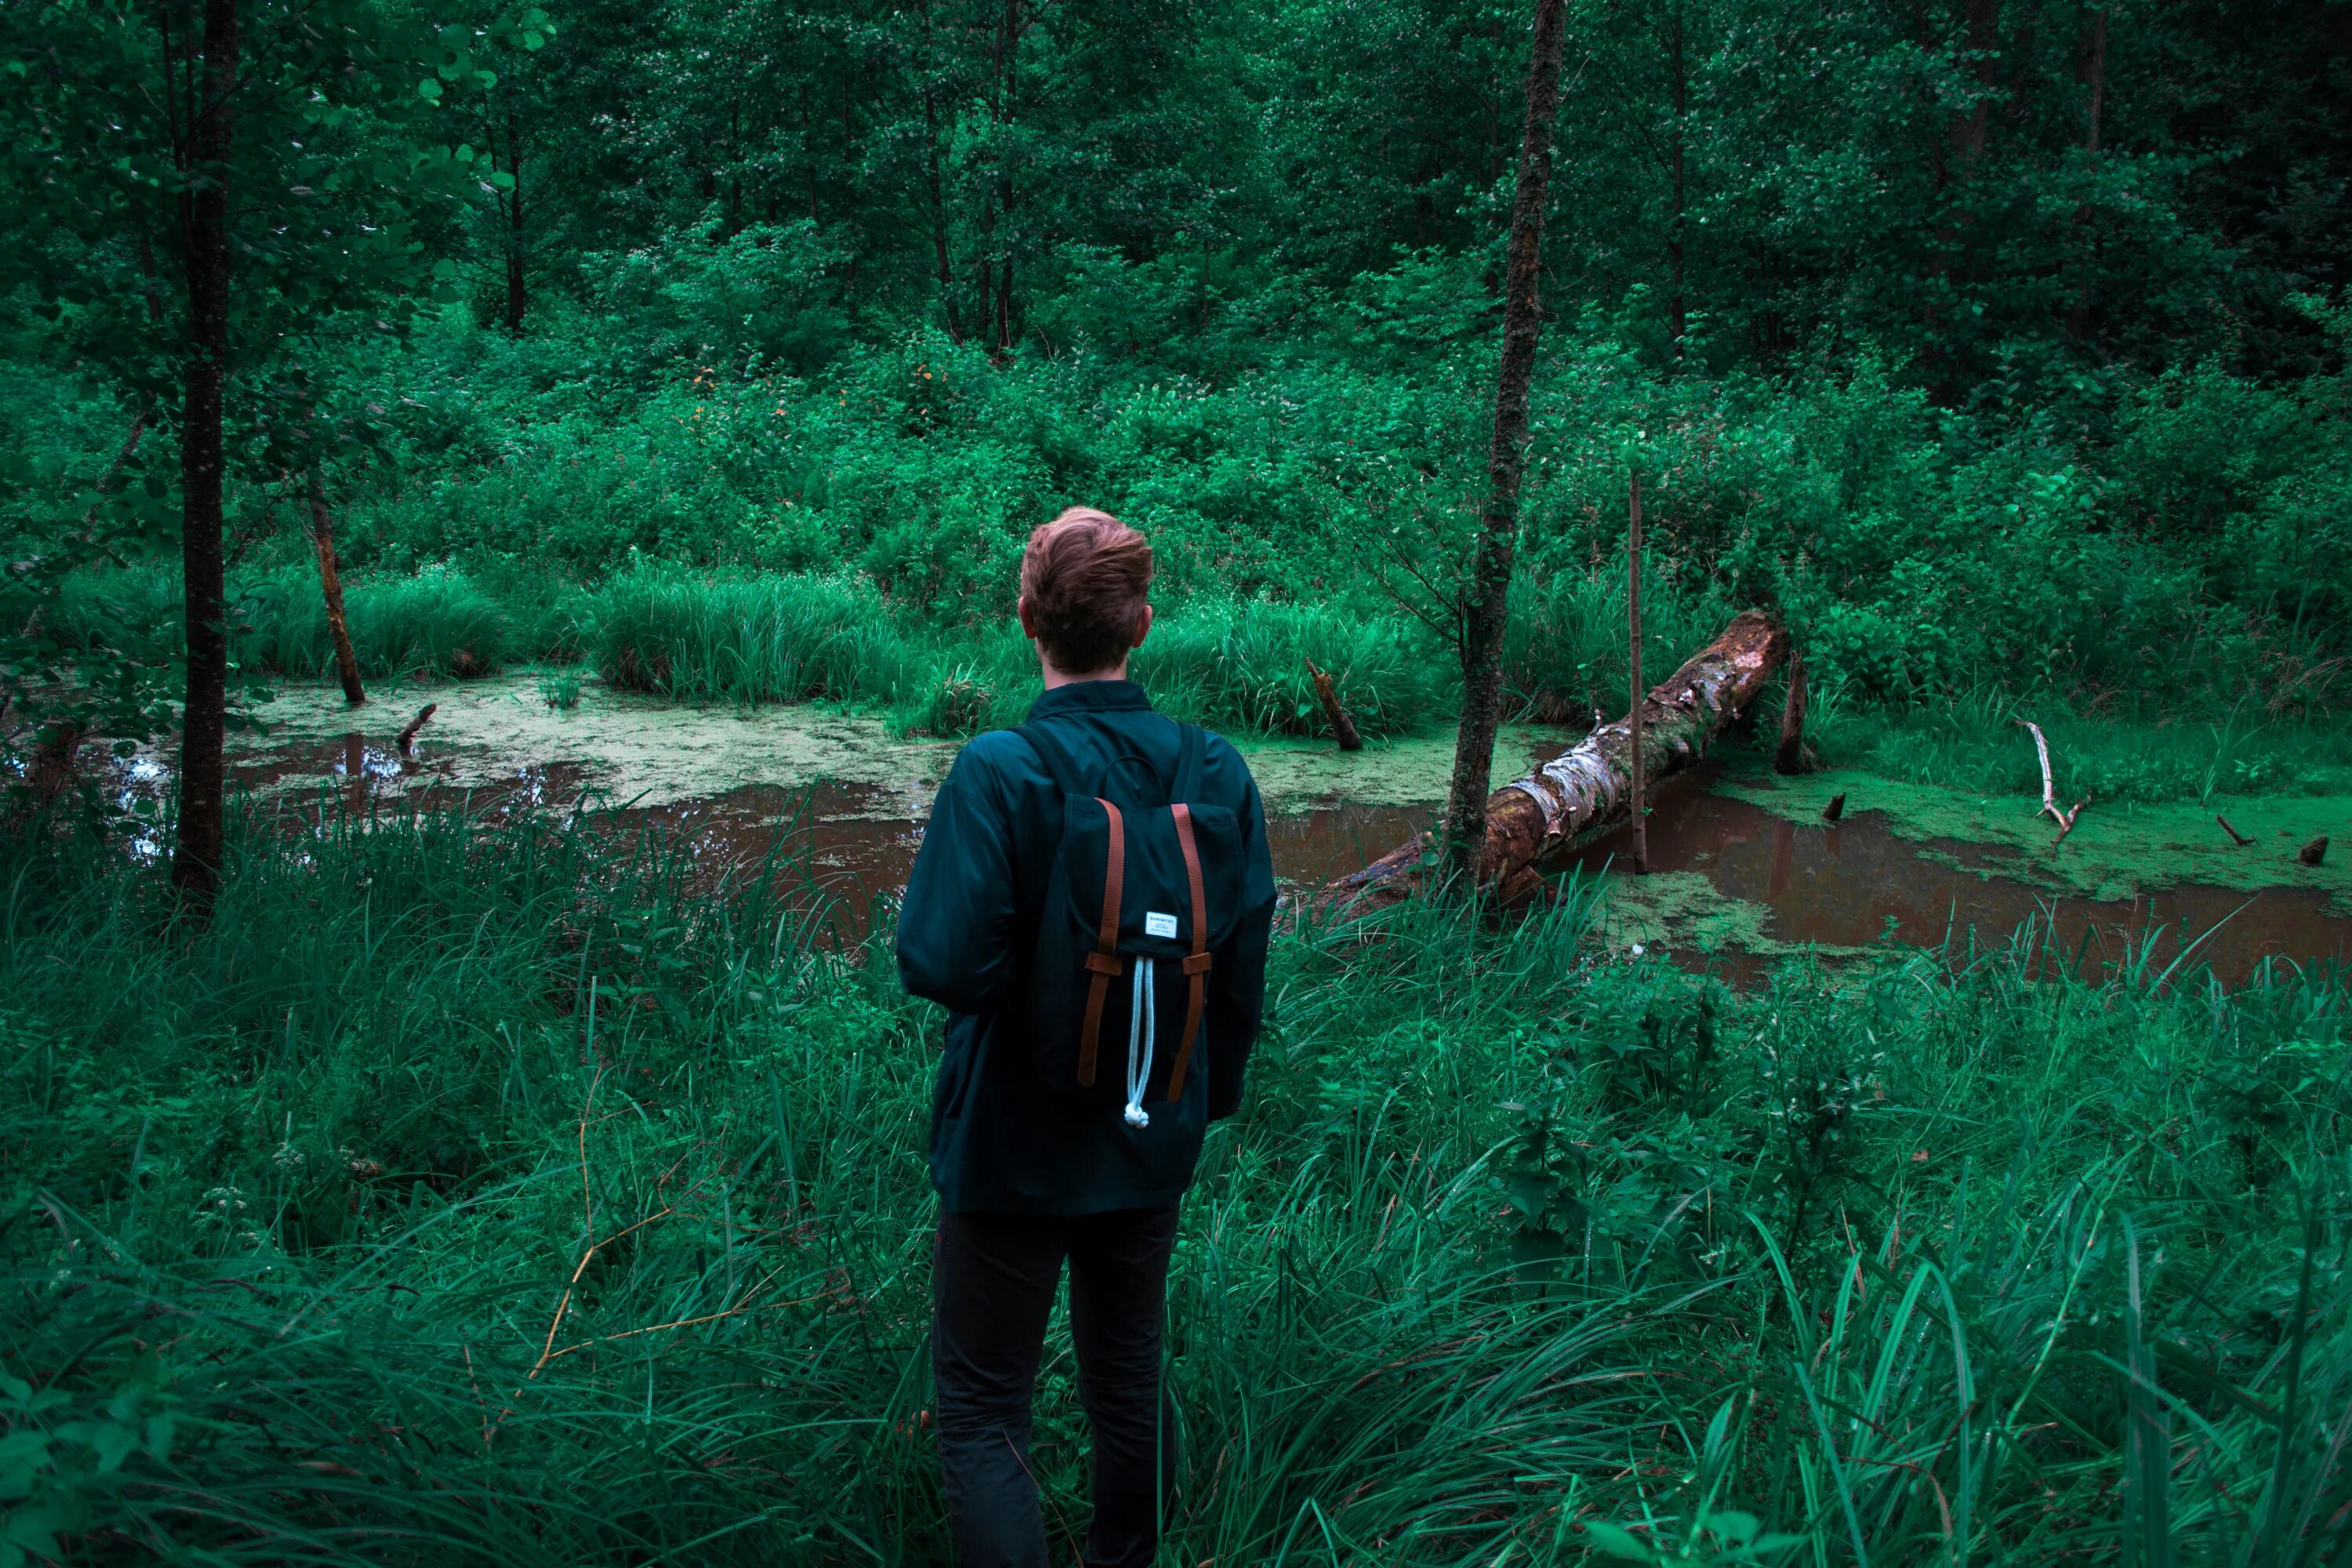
<point>1836,807</point>
<point>1634,633</point>
<point>1790,757</point>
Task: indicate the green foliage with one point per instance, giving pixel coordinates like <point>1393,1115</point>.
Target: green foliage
<point>1503,1248</point>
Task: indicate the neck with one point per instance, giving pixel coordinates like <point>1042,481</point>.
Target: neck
<point>1055,677</point>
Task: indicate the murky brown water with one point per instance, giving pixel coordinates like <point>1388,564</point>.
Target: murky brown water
<point>1844,886</point>
<point>1854,883</point>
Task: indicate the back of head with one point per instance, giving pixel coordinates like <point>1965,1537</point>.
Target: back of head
<point>1086,577</point>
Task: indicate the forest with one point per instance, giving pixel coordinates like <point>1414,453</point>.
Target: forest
<point>507,513</point>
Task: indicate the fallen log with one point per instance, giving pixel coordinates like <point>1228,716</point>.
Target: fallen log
<point>1588,790</point>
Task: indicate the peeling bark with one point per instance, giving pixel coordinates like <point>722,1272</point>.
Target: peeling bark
<point>1587,791</point>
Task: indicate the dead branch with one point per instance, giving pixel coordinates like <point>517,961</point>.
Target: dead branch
<point>2240,839</point>
<point>1327,690</point>
<point>2064,819</point>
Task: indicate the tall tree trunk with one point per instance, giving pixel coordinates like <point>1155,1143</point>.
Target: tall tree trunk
<point>330,583</point>
<point>1633,715</point>
<point>1464,826</point>
<point>938,189</point>
<point>511,200</point>
<point>1007,110</point>
<point>2093,75</point>
<point>1676,312</point>
<point>197,856</point>
<point>1955,155</point>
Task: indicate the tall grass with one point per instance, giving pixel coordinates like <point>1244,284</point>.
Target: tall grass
<point>471,1193</point>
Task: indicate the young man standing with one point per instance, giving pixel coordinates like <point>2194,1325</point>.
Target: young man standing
<point>1032,1171</point>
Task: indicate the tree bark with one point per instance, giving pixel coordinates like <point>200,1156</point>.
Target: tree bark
<point>204,720</point>
<point>330,583</point>
<point>1463,827</point>
<point>1327,691</point>
<point>2094,76</point>
<point>1790,757</point>
<point>1676,312</point>
<point>1633,682</point>
<point>1587,791</point>
<point>512,202</point>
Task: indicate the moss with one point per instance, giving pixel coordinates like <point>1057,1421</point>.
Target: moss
<point>2116,851</point>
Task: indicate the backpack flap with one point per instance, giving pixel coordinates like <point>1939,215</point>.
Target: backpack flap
<point>1141,899</point>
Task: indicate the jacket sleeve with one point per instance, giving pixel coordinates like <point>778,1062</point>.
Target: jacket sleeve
<point>955,928</point>
<point>1237,1000</point>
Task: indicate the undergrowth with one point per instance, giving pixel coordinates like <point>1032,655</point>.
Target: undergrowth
<point>516,1193</point>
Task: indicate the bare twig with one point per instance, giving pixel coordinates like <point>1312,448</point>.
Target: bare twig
<point>2240,839</point>
<point>2064,819</point>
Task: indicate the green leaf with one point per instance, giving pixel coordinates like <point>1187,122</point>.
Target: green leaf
<point>1619,1543</point>
<point>429,90</point>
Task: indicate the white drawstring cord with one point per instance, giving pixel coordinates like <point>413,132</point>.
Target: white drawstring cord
<point>1142,1026</point>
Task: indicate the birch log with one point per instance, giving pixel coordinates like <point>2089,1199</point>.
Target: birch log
<point>1588,790</point>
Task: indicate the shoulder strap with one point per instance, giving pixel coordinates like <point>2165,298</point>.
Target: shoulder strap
<point>1192,744</point>
<point>1056,759</point>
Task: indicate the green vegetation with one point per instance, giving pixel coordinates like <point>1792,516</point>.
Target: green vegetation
<point>516,1194</point>
<point>508,1195</point>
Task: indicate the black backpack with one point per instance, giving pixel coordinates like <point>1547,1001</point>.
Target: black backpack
<point>1141,896</point>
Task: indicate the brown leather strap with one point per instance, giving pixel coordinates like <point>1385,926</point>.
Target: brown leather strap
<point>1103,962</point>
<point>1196,967</point>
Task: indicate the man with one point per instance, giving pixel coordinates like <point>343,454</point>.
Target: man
<point>1030,1172</point>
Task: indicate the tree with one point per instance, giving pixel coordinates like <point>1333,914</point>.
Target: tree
<point>1463,830</point>
<point>205,188</point>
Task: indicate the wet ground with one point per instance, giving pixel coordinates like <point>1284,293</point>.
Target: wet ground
<point>1733,884</point>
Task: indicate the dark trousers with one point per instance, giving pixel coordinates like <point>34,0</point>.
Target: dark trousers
<point>993,1283</point>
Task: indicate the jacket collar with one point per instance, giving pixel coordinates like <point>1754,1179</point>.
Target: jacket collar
<point>1091,696</point>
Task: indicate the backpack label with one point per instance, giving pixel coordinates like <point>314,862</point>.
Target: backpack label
<point>1157,924</point>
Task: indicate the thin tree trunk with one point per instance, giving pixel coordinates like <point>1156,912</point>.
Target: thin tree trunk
<point>1586,792</point>
<point>2093,74</point>
<point>1676,312</point>
<point>330,582</point>
<point>1008,111</point>
<point>939,196</point>
<point>516,300</point>
<point>1641,801</point>
<point>1463,827</point>
<point>197,856</point>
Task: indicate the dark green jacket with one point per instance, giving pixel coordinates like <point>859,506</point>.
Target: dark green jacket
<point>1001,1140</point>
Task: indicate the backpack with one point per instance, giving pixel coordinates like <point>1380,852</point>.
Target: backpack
<point>1140,898</point>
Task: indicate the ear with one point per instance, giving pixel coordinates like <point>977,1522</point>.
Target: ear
<point>1028,621</point>
<point>1142,627</point>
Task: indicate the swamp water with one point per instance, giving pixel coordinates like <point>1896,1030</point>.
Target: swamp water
<point>1734,886</point>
